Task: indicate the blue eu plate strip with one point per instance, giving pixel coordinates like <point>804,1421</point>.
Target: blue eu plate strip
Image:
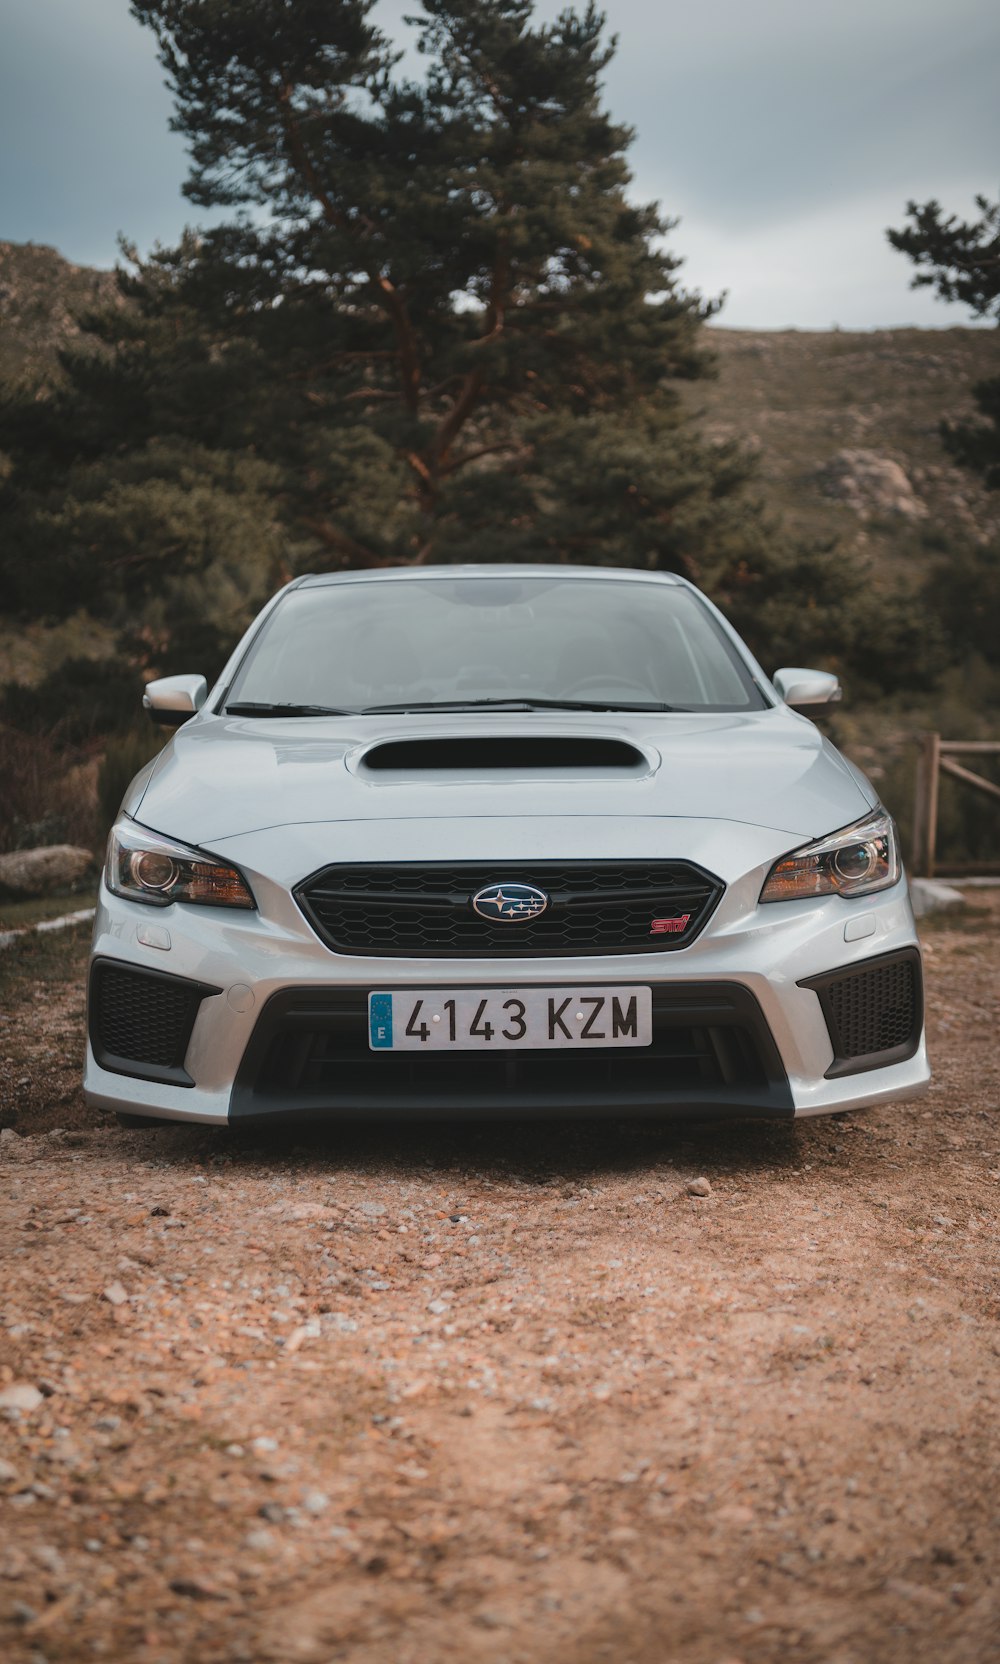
<point>380,1020</point>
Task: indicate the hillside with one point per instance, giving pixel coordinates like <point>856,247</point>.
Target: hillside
<point>41,295</point>
<point>798,398</point>
<point>801,399</point>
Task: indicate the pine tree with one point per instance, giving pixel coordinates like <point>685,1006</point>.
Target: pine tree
<point>431,325</point>
<point>961,260</point>
<point>451,284</point>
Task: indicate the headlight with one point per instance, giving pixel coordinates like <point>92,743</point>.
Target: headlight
<point>862,858</point>
<point>142,866</point>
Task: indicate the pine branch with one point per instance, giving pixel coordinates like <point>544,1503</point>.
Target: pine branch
<point>452,424</point>
<point>395,306</point>
<point>355,553</point>
<point>474,456</point>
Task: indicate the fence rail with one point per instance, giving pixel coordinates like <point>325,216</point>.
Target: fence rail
<point>937,757</point>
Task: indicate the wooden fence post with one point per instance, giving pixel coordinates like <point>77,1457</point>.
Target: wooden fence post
<point>925,808</point>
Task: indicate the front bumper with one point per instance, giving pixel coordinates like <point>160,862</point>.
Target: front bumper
<point>748,975</point>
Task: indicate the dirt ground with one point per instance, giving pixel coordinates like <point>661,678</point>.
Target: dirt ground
<point>505,1394</point>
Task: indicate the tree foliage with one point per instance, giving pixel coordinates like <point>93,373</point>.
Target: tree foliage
<point>446,275</point>
<point>430,325</point>
<point>961,260</point>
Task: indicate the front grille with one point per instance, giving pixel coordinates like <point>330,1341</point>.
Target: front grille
<point>425,911</point>
<point>141,1021</point>
<point>874,1011</point>
<point>712,1052</point>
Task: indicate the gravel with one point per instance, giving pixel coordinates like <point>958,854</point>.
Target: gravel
<point>756,1427</point>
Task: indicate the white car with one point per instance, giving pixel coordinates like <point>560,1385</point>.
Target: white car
<point>467,841</point>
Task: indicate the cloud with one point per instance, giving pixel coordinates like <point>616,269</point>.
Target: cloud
<point>85,150</point>
<point>831,268</point>
<point>755,111</point>
<point>786,134</point>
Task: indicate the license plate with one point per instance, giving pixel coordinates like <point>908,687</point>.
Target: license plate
<point>509,1019</point>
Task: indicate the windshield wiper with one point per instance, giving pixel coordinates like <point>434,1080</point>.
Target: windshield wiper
<point>255,707</point>
<point>516,704</point>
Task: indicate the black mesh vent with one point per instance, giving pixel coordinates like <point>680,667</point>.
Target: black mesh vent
<point>141,1021</point>
<point>426,911</point>
<point>874,1011</point>
<point>711,1050</point>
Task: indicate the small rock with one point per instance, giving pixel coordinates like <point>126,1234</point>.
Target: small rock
<point>8,1135</point>
<point>272,1512</point>
<point>261,1541</point>
<point>196,1588</point>
<point>315,1502</point>
<point>8,1474</point>
<point>299,1335</point>
<point>64,1453</point>
<point>437,1307</point>
<point>264,1446</point>
<point>49,1557</point>
<point>21,1396</point>
<point>115,1294</point>
<point>699,1187</point>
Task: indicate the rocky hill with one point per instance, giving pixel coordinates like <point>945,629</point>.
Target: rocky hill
<point>41,297</point>
<point>845,424</point>
<point>846,427</point>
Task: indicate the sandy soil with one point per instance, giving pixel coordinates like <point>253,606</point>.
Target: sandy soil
<point>505,1394</point>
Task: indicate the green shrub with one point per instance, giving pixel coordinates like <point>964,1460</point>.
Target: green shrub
<point>40,802</point>
<point>122,760</point>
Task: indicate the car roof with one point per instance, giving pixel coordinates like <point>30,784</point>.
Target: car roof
<point>520,569</point>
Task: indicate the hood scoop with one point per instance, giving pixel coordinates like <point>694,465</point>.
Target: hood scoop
<point>480,754</point>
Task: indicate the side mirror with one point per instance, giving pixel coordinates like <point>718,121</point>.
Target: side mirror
<point>799,687</point>
<point>172,699</point>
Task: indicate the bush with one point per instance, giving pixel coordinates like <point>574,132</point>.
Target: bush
<point>122,760</point>
<point>80,701</point>
<point>40,803</point>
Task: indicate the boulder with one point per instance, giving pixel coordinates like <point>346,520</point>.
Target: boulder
<point>39,872</point>
<point>870,484</point>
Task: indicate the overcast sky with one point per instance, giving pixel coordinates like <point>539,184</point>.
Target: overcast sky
<point>786,134</point>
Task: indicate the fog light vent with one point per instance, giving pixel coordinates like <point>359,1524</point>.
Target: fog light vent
<point>874,1011</point>
<point>141,1021</point>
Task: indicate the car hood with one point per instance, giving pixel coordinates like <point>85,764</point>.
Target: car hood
<point>223,776</point>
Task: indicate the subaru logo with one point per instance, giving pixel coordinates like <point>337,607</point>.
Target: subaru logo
<point>511,903</point>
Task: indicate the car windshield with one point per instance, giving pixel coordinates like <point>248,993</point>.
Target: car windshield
<point>455,640</point>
